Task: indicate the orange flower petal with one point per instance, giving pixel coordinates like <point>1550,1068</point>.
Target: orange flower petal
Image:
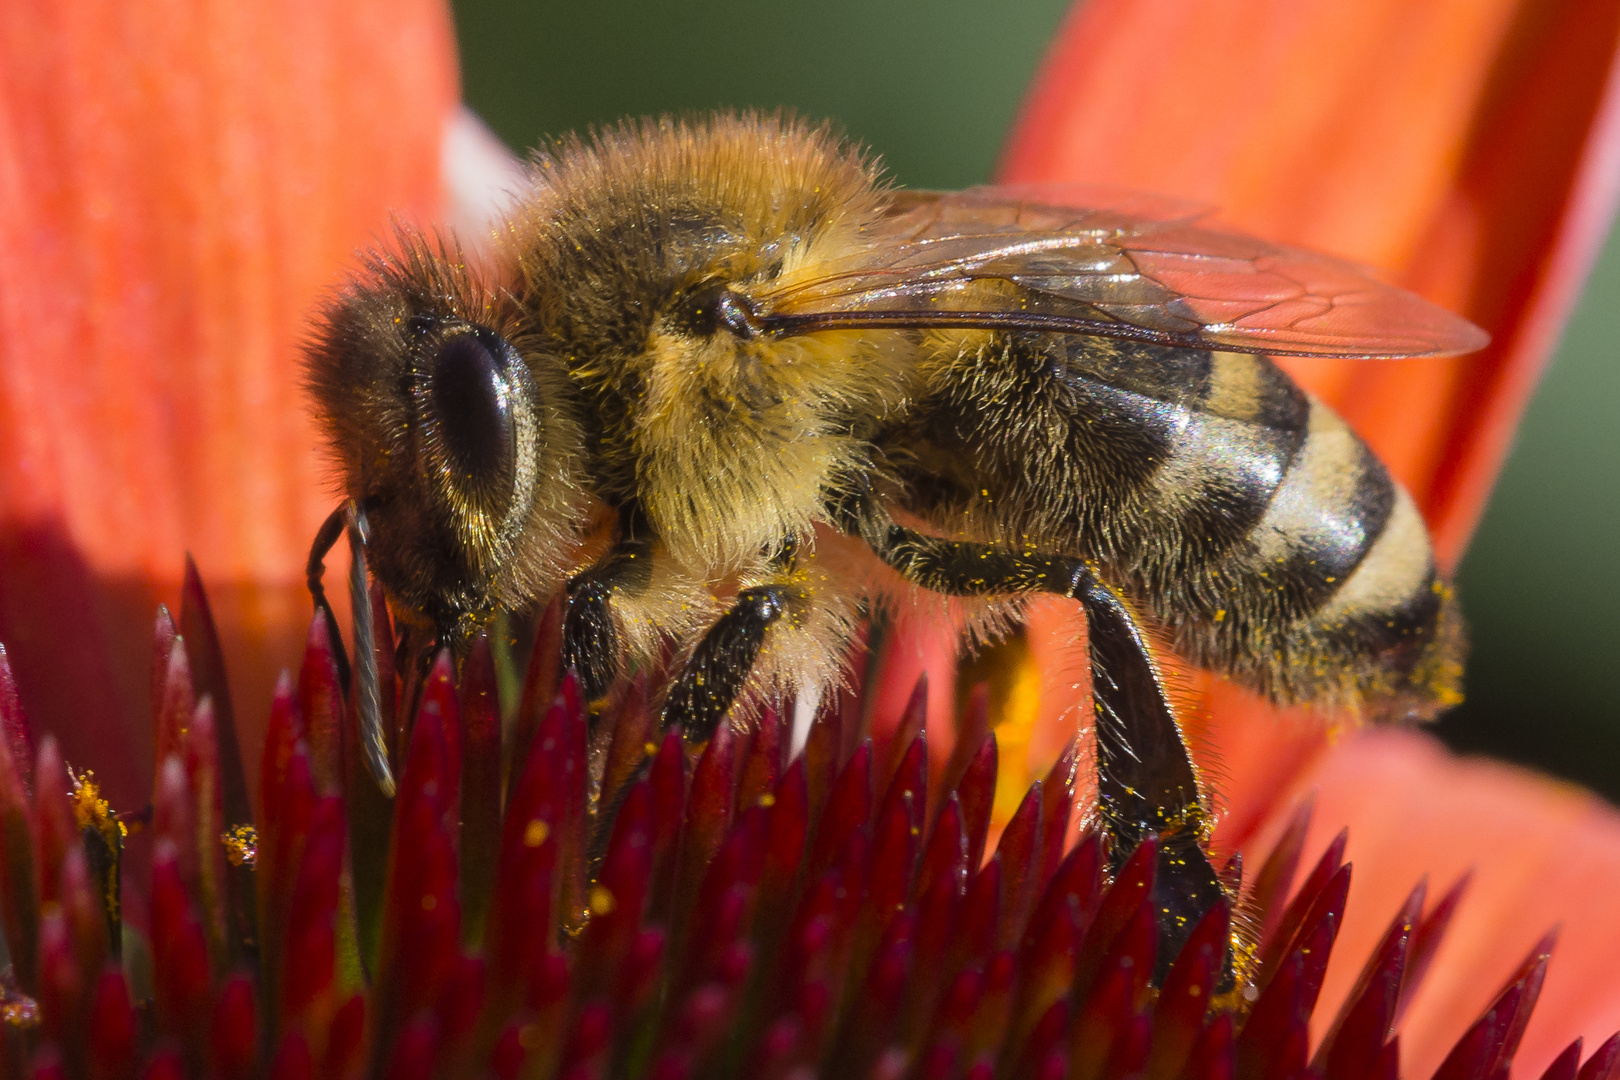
<point>179,181</point>
<point>1464,147</point>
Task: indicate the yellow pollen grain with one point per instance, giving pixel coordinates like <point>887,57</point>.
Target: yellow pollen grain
<point>1220,615</point>
<point>19,1010</point>
<point>535,833</point>
<point>241,845</point>
<point>602,902</point>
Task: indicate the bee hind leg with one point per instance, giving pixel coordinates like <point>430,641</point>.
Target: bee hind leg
<point>1147,783</point>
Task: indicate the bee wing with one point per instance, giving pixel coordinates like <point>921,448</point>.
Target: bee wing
<point>1065,259</point>
<point>1100,209</point>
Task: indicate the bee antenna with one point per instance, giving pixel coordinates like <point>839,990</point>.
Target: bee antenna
<point>325,539</point>
<point>367,697</point>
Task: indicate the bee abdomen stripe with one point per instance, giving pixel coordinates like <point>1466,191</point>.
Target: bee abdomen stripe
<point>1397,568</point>
<point>1220,477</point>
<point>1329,511</point>
<point>1230,439</point>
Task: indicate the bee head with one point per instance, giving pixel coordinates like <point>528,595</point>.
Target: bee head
<point>461,446</point>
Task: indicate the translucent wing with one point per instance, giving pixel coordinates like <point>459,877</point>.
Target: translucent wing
<point>1092,261</point>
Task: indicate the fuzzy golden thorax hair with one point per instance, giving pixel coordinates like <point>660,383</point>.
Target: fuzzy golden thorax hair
<point>725,443</point>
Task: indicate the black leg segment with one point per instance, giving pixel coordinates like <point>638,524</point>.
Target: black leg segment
<point>1146,781</point>
<point>326,539</point>
<point>590,641</point>
<point>714,676</point>
<point>590,637</point>
<point>957,568</point>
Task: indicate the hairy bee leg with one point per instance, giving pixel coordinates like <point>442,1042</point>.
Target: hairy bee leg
<point>1150,785</point>
<point>714,676</point>
<point>590,637</point>
<point>1147,783</point>
<point>590,641</point>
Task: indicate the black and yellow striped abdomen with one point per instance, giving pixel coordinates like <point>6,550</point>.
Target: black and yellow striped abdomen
<point>1248,519</point>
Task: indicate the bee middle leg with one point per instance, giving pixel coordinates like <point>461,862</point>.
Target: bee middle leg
<point>714,676</point>
<point>1147,783</point>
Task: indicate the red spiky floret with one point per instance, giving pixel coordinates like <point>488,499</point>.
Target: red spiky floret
<point>620,911</point>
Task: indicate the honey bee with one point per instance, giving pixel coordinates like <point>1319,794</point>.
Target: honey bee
<point>717,362</point>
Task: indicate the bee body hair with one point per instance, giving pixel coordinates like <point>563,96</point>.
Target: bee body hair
<point>1250,523</point>
<point>648,380</point>
<point>725,443</point>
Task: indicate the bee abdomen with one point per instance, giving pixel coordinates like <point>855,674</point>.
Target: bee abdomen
<point>1332,595</point>
<point>1247,517</point>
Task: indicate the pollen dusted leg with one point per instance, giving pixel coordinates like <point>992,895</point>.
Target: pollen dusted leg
<point>1147,784</point>
<point>714,676</point>
<point>719,666</point>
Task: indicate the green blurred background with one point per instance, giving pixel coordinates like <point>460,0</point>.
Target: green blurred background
<point>933,84</point>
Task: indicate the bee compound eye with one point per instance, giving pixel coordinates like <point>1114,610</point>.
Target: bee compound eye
<point>471,389</point>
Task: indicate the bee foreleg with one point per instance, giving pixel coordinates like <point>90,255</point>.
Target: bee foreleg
<point>590,636</point>
<point>720,665</point>
<point>315,569</point>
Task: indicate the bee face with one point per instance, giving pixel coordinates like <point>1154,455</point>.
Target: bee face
<point>462,451</point>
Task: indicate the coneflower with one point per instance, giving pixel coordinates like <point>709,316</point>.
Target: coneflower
<point>576,896</point>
